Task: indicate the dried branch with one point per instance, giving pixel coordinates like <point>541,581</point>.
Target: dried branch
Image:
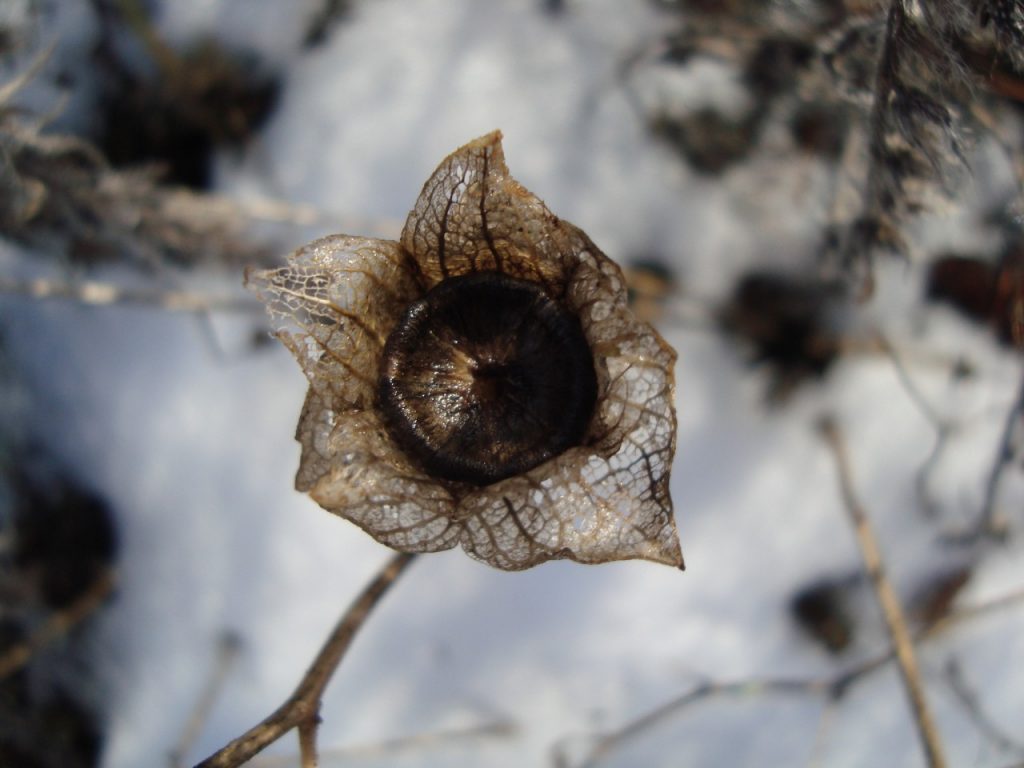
<point>58,624</point>
<point>969,699</point>
<point>832,687</point>
<point>496,729</point>
<point>227,651</point>
<point>302,708</point>
<point>899,147</point>
<point>710,689</point>
<point>912,390</point>
<point>886,595</point>
<point>943,427</point>
<point>96,293</point>
<point>989,523</point>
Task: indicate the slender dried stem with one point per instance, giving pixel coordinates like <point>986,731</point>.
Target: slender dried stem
<point>58,624</point>
<point>970,701</point>
<point>611,741</point>
<point>886,595</point>
<point>302,708</point>
<point>500,728</point>
<point>943,427</point>
<point>833,687</point>
<point>989,523</point>
<point>95,293</point>
<point>227,652</point>
<point>307,743</point>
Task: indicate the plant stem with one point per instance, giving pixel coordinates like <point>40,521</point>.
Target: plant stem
<point>302,708</point>
<point>894,620</point>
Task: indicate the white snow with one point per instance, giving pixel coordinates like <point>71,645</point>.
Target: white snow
<point>192,440</point>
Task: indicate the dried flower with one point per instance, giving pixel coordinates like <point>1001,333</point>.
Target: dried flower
<point>482,382</point>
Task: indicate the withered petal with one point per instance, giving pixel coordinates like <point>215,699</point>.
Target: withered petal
<point>333,306</point>
<point>609,499</point>
<point>473,217</point>
<point>579,506</point>
<point>350,467</point>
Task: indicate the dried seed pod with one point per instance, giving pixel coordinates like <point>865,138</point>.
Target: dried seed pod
<point>482,382</point>
<point>486,377</point>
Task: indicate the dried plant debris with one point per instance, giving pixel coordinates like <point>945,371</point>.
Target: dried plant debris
<point>554,8</point>
<point>919,97</point>
<point>64,535</point>
<point>790,323</point>
<point>709,140</point>
<point>819,129</point>
<point>43,729</point>
<point>330,13</point>
<point>482,382</point>
<point>651,285</point>
<point>210,99</point>
<point>933,63</point>
<point>61,191</point>
<point>934,600</point>
<point>992,294</point>
<point>772,62</point>
<point>1004,20</point>
<point>896,83</point>
<point>822,610</point>
<point>176,108</point>
<point>61,541</point>
<point>712,140</point>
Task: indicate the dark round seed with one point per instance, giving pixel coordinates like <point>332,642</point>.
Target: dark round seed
<point>486,377</point>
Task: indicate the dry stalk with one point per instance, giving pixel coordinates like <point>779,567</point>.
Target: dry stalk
<point>989,522</point>
<point>887,599</point>
<point>496,729</point>
<point>302,709</point>
<point>97,293</point>
<point>227,651</point>
<point>58,624</point>
<point>832,687</point>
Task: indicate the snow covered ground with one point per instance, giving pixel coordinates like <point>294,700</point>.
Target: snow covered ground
<point>188,428</point>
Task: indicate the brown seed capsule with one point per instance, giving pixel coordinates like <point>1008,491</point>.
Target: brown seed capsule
<point>482,382</point>
<point>486,377</point>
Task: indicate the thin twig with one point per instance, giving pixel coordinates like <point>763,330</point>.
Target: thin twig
<point>276,211</point>
<point>825,719</point>
<point>886,595</point>
<point>833,686</point>
<point>611,741</point>
<point>227,651</point>
<point>989,523</point>
<point>9,89</point>
<point>496,729</point>
<point>969,699</point>
<point>95,293</point>
<point>909,386</point>
<point>972,611</point>
<point>943,427</point>
<point>58,624</point>
<point>302,708</point>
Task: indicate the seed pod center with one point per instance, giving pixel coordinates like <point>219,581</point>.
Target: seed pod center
<point>486,377</point>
